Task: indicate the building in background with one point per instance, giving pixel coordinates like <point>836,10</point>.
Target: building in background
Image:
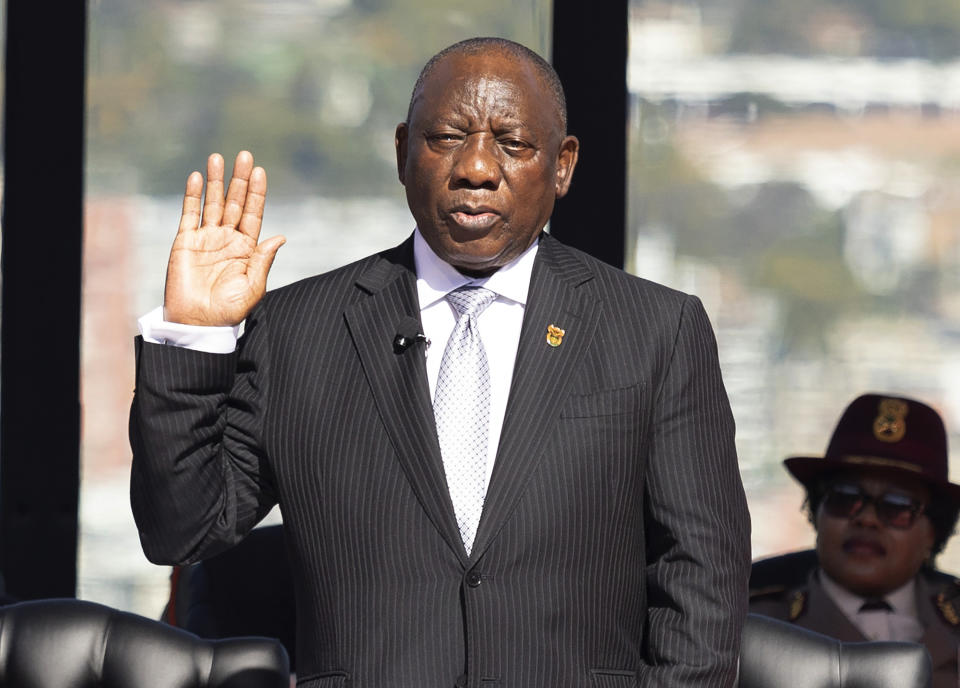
<point>796,166</point>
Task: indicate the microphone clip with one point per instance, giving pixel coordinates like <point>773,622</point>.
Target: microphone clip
<point>401,343</point>
<point>408,334</point>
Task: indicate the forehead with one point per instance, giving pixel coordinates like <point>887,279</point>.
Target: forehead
<point>485,84</point>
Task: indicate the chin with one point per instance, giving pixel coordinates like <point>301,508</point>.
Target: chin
<point>476,269</point>
<point>477,262</point>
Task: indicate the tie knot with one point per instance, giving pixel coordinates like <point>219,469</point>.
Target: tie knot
<point>470,301</point>
<point>876,605</point>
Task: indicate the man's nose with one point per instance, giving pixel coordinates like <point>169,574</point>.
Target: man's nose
<point>478,164</point>
<point>867,516</point>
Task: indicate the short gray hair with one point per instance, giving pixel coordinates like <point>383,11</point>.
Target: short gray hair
<point>487,44</point>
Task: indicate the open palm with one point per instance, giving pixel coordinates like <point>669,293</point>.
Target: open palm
<point>217,270</point>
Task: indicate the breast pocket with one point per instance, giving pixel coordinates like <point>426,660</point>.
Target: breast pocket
<point>603,435</point>
<point>607,402</point>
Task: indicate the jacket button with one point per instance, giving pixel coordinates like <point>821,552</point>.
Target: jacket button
<point>473,579</point>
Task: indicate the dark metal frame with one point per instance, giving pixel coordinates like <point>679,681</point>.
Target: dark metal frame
<point>42,253</point>
<point>40,334</point>
<point>590,54</point>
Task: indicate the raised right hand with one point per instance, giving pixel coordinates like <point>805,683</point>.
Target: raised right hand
<point>217,271</point>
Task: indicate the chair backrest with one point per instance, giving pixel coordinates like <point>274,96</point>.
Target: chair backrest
<point>75,644</point>
<point>776,654</point>
<point>784,571</point>
<point>246,590</point>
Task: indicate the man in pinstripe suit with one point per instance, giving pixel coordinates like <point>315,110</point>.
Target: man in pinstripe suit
<point>613,545</point>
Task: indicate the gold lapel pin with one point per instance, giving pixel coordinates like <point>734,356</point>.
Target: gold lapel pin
<point>555,335</point>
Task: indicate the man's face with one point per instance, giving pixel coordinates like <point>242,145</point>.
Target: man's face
<point>861,552</point>
<point>483,158</point>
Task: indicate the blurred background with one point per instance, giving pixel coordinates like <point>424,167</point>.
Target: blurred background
<point>794,164</point>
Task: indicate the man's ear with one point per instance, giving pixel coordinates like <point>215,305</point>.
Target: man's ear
<point>400,141</point>
<point>566,161</point>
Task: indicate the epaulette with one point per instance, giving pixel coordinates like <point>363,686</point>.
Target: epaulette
<point>794,601</point>
<point>947,602</point>
<point>798,605</point>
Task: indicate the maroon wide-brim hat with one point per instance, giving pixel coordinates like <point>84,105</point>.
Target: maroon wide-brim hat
<point>876,431</point>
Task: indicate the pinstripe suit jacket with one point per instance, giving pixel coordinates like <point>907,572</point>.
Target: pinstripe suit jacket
<point>613,549</point>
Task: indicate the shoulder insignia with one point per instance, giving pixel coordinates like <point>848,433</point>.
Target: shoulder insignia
<point>947,602</point>
<point>798,604</point>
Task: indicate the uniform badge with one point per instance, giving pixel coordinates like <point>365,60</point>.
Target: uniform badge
<point>798,602</point>
<point>947,601</point>
<point>890,424</point>
<point>555,335</point>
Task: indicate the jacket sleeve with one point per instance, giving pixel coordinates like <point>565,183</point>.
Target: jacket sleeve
<point>696,520</point>
<point>200,479</point>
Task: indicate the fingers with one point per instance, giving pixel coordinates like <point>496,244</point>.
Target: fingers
<point>243,207</point>
<point>190,215</point>
<point>213,199</point>
<point>262,260</point>
<point>252,218</point>
<point>237,191</point>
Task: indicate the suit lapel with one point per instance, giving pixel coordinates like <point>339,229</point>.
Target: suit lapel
<point>559,295</point>
<point>399,382</point>
<point>824,616</point>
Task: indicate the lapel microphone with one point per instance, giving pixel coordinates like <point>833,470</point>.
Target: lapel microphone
<point>408,334</point>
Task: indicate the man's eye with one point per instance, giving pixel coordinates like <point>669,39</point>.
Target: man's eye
<point>514,144</point>
<point>445,137</point>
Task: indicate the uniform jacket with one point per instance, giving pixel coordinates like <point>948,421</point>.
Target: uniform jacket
<point>613,549</point>
<point>938,607</point>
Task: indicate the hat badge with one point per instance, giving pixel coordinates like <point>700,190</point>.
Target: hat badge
<point>890,425</point>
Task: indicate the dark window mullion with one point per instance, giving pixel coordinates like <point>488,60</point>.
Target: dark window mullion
<point>41,264</point>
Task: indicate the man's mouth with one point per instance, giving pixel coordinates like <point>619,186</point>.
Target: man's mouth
<point>864,547</point>
<point>475,218</point>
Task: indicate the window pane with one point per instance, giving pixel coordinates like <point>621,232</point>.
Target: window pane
<point>314,88</point>
<point>795,165</point>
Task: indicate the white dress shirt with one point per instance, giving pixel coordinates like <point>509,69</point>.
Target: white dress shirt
<point>499,324</point>
<point>900,623</point>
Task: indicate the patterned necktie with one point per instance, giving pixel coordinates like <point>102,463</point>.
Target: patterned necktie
<point>461,407</point>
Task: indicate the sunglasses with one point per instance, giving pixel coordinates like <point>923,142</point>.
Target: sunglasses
<point>843,500</point>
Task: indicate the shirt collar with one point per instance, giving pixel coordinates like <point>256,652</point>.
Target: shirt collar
<point>903,600</point>
<point>437,278</point>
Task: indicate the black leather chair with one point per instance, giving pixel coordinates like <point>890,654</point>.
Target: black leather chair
<point>776,654</point>
<point>75,644</point>
<point>783,571</point>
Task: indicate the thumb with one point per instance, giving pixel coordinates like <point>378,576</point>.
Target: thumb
<point>261,261</point>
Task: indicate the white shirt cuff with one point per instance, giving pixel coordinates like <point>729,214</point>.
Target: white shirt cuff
<point>213,340</point>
